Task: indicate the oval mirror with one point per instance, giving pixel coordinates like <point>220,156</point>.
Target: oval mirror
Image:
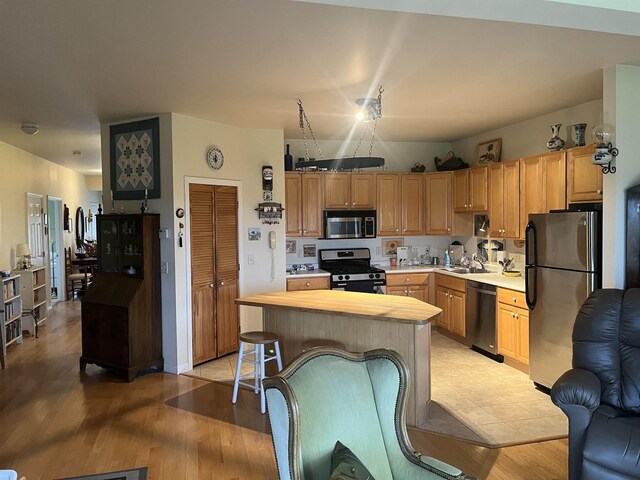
<point>79,229</point>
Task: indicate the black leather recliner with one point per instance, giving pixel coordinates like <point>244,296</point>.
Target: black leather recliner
<point>601,394</point>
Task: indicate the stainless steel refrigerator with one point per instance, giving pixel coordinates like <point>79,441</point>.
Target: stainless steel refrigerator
<point>562,267</point>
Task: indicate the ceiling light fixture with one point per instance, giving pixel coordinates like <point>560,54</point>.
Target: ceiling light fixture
<point>603,135</point>
<point>369,109</point>
<point>30,128</point>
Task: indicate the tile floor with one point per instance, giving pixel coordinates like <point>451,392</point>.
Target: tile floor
<point>473,397</point>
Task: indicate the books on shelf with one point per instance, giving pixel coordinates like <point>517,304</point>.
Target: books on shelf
<point>9,289</point>
<point>13,330</point>
<point>10,311</point>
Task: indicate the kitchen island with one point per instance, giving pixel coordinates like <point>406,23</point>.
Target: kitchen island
<point>361,321</point>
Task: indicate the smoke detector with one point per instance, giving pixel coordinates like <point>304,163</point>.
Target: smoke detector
<point>30,128</point>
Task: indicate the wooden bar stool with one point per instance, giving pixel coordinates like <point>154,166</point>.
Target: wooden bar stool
<point>320,342</point>
<point>259,340</point>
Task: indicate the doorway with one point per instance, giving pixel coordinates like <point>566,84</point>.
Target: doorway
<point>213,241</point>
<point>35,231</point>
<point>54,221</point>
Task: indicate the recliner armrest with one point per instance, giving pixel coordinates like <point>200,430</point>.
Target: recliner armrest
<point>577,387</point>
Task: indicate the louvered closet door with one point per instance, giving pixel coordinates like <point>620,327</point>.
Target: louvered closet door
<point>226,272</point>
<point>201,206</point>
<point>214,270</point>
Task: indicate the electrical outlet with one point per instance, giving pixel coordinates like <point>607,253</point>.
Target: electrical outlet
<point>163,233</point>
<point>378,251</point>
<point>164,267</point>
<point>251,259</point>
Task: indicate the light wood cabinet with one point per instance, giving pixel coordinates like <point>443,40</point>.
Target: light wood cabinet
<point>414,285</point>
<point>303,204</point>
<point>439,209</point>
<point>451,294</point>
<point>542,185</point>
<point>504,199</point>
<point>33,292</point>
<point>308,283</point>
<point>400,204</point>
<point>584,179</point>
<point>349,190</point>
<point>513,326</point>
<point>470,190</point>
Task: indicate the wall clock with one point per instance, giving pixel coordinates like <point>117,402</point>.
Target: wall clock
<point>215,159</point>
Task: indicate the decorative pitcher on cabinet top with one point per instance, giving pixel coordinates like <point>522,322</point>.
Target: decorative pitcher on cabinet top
<point>555,143</point>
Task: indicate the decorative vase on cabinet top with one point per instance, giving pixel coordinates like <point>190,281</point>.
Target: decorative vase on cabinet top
<point>555,143</point>
<point>579,134</point>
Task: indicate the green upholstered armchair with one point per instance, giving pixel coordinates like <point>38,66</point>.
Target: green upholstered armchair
<point>327,395</point>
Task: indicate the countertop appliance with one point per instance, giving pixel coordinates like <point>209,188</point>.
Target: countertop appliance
<point>340,224</point>
<point>562,268</point>
<point>351,270</point>
<point>481,319</point>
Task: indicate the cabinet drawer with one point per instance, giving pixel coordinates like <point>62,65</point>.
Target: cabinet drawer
<point>397,279</point>
<point>453,283</point>
<point>309,283</point>
<point>512,297</point>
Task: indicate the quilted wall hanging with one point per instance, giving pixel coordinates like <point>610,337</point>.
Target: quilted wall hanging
<point>135,159</point>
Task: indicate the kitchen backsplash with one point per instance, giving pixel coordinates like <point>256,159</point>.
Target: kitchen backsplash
<point>305,250</point>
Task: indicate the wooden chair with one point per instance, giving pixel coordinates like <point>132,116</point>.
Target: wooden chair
<point>76,281</point>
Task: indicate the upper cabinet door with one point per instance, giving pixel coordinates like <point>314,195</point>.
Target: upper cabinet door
<point>388,204</point>
<point>495,187</point>
<point>478,189</point>
<point>337,190</point>
<point>438,204</point>
<point>555,181</point>
<point>363,190</point>
<point>530,189</point>
<point>584,179</point>
<point>511,199</point>
<point>312,205</point>
<point>461,190</point>
<point>292,204</point>
<point>412,190</point>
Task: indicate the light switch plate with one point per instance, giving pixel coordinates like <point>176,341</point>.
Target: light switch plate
<point>251,259</point>
<point>164,267</point>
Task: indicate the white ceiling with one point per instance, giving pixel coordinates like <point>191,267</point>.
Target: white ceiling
<point>72,65</point>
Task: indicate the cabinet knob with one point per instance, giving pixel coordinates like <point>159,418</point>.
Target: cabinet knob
<point>304,231</point>
<point>517,316</point>
<point>307,284</point>
<point>404,229</point>
<point>211,285</point>
<point>514,299</point>
<point>470,206</point>
<point>513,315</point>
<point>466,206</point>
<point>300,232</point>
<point>448,229</point>
<point>222,283</point>
<point>346,204</point>
<point>406,279</point>
<point>598,191</point>
<point>396,229</point>
<point>409,292</point>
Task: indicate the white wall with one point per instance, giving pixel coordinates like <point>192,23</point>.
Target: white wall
<point>622,109</point>
<point>399,156</point>
<point>530,137</point>
<point>245,152</point>
<point>24,172</point>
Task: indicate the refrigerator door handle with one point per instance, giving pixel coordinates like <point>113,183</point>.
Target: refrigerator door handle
<point>531,287</point>
<point>531,244</point>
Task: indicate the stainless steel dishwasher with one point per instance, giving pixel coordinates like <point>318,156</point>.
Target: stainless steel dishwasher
<point>481,319</point>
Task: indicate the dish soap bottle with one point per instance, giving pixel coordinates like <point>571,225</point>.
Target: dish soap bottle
<point>447,259</point>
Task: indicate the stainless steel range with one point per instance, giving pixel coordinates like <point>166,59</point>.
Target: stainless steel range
<point>351,270</point>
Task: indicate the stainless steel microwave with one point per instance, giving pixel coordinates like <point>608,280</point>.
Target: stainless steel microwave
<point>349,224</point>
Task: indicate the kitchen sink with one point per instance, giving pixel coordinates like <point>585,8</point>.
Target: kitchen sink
<point>470,270</point>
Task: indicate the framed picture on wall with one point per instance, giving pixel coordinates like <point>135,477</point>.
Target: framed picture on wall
<point>134,159</point>
<point>390,246</point>
<point>488,152</point>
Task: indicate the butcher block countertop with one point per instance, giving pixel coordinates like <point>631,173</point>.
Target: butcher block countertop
<point>393,308</point>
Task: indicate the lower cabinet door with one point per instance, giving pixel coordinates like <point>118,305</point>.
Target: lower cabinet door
<point>442,301</point>
<point>421,292</point>
<point>522,318</point>
<point>508,332</point>
<point>457,312</point>
<point>402,291</point>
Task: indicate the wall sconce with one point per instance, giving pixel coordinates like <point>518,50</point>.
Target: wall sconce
<point>603,134</point>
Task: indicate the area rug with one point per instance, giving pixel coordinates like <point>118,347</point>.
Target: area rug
<point>136,474</point>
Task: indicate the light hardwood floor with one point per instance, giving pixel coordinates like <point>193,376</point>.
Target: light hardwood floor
<point>56,422</point>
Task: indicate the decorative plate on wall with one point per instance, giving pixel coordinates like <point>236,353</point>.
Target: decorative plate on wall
<point>215,159</point>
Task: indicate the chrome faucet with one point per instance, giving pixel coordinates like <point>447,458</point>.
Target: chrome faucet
<point>476,259</point>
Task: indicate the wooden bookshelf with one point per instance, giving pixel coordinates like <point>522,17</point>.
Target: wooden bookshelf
<point>34,297</point>
<point>11,313</point>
